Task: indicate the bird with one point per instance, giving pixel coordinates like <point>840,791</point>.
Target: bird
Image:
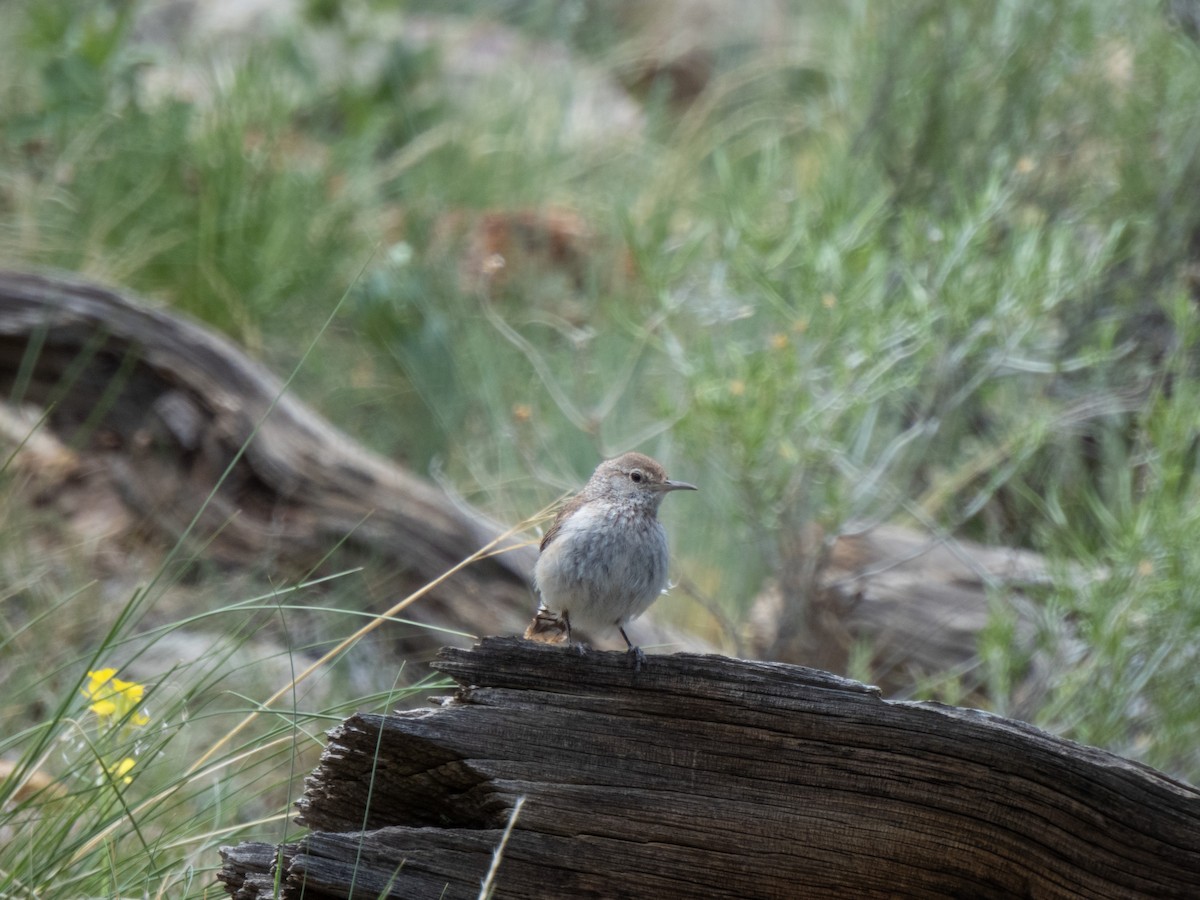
<point>604,559</point>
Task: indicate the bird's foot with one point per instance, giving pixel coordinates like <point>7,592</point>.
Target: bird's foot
<point>639,658</point>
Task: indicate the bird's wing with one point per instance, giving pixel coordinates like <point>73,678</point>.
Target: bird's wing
<point>556,525</point>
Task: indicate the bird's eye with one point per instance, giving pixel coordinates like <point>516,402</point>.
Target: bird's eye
<point>636,476</point>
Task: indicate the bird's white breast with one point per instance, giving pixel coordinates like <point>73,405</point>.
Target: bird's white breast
<point>605,566</point>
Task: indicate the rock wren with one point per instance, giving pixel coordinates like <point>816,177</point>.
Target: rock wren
<point>604,559</point>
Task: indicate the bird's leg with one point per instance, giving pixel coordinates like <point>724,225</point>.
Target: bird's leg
<point>579,647</point>
<point>638,656</point>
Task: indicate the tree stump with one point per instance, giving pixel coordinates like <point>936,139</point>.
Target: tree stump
<point>704,776</point>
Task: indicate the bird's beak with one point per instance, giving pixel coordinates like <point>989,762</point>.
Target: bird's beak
<point>677,486</point>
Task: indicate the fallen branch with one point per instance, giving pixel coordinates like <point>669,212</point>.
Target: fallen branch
<point>156,407</point>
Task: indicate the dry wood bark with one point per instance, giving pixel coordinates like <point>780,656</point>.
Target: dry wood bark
<point>704,776</point>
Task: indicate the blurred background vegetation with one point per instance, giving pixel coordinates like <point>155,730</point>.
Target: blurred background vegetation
<point>839,263</point>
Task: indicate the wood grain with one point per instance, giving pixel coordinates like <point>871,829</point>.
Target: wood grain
<point>704,776</point>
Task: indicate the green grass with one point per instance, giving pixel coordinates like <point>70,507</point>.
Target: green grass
<point>931,263</point>
<point>225,714</point>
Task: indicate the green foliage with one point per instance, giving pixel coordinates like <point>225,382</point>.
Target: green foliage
<point>1136,648</point>
<point>120,783</point>
<point>213,200</point>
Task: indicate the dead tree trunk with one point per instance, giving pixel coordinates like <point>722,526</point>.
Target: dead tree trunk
<point>168,420</point>
<point>703,776</point>
<point>171,412</point>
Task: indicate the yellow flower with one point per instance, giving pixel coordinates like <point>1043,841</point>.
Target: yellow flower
<point>114,699</point>
<point>120,771</point>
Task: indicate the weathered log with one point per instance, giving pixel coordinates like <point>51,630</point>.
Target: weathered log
<point>163,406</point>
<point>919,601</point>
<point>170,419</point>
<point>704,776</point>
